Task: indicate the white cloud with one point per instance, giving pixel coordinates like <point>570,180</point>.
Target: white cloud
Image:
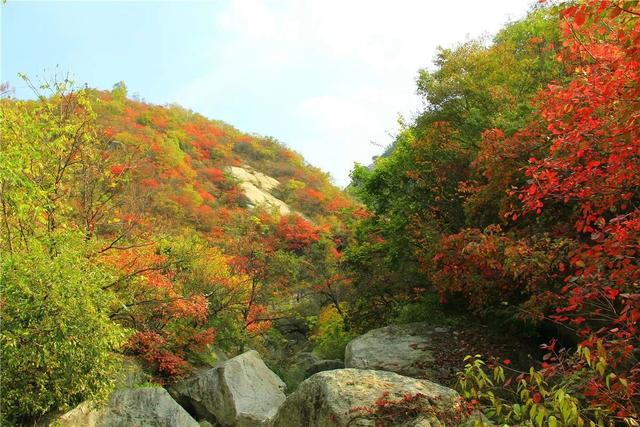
<point>330,76</point>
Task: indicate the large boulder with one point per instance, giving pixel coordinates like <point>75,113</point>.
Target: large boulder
<point>332,399</point>
<point>148,406</point>
<point>240,392</point>
<point>404,349</point>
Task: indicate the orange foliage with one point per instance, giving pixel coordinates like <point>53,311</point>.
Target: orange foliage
<point>214,174</point>
<point>257,319</point>
<point>297,232</point>
<point>206,196</point>
<point>195,307</point>
<point>205,210</point>
<point>160,122</point>
<point>117,169</point>
<point>150,183</point>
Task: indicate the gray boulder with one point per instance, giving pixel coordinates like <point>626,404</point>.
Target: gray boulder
<point>404,349</point>
<point>331,399</point>
<point>240,392</point>
<point>150,406</point>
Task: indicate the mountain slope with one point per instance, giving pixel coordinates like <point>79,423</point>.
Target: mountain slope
<point>170,230</point>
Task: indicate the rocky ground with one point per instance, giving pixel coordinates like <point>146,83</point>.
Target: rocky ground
<point>396,375</point>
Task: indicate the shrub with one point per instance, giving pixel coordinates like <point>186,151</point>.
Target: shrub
<point>330,338</point>
<point>292,376</point>
<point>57,338</point>
<point>546,396</point>
<point>426,308</point>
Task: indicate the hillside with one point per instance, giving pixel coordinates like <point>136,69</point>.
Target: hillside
<point>194,158</point>
<point>185,231</point>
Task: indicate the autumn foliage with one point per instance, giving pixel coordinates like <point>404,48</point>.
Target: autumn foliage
<point>593,166</point>
<point>515,194</point>
<point>550,199</point>
<point>297,232</point>
<point>183,262</point>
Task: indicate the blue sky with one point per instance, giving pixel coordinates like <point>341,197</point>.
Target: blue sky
<point>326,77</point>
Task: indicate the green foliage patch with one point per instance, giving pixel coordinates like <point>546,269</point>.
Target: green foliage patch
<point>58,342</point>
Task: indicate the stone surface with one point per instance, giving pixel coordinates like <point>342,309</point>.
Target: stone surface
<point>311,364</point>
<point>254,177</point>
<point>221,356</point>
<point>404,349</point>
<point>239,392</point>
<point>305,360</point>
<point>257,186</point>
<point>150,406</point>
<point>327,399</point>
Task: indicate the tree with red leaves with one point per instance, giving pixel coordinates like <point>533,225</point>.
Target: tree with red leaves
<point>593,166</point>
<point>546,220</point>
<point>297,232</point>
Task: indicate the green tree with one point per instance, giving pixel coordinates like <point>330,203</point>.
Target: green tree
<point>418,190</point>
<point>57,339</point>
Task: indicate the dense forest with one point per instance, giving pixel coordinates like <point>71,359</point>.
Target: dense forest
<point>514,195</point>
<point>512,200</point>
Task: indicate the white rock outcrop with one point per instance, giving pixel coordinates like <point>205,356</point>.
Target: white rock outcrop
<point>404,349</point>
<point>241,391</point>
<point>331,399</point>
<point>257,186</point>
<point>254,177</point>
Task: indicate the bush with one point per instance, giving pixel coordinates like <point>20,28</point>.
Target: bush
<point>547,396</point>
<point>425,309</point>
<point>57,338</point>
<point>330,338</point>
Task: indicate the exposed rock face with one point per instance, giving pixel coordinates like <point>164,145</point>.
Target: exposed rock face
<point>254,177</point>
<point>305,360</point>
<point>257,186</point>
<point>327,399</point>
<point>151,406</point>
<point>240,392</point>
<point>404,349</point>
